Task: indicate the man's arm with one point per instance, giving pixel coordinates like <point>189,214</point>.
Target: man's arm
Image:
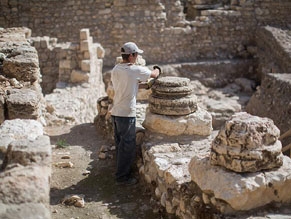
<point>155,73</point>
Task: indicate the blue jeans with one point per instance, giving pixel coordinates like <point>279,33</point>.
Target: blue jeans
<point>124,136</point>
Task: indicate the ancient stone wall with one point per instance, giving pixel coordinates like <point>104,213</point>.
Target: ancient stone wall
<point>159,27</point>
<point>25,153</point>
<point>48,62</point>
<point>274,50</point>
<point>273,96</point>
<point>272,100</point>
<point>25,170</point>
<point>76,82</point>
<point>20,91</point>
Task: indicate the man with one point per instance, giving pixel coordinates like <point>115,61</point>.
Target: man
<point>125,79</point>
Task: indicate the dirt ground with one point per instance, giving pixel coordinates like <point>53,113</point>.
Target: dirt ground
<point>92,178</point>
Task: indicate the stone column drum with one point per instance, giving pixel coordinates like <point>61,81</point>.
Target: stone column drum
<point>173,109</point>
<point>247,144</point>
<point>172,96</point>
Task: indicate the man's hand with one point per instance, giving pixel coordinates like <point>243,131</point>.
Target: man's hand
<point>157,67</point>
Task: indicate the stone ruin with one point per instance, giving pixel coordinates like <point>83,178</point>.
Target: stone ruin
<point>250,170</point>
<point>173,109</point>
<point>25,149</point>
<point>219,44</point>
<point>247,144</point>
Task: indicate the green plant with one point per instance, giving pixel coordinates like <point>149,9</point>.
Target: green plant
<point>61,143</point>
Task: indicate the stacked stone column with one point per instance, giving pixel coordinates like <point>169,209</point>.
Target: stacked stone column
<point>172,96</point>
<point>173,109</point>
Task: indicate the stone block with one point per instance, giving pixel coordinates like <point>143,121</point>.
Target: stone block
<point>173,107</point>
<point>29,152</point>
<point>85,65</point>
<point>87,55</point>
<point>85,45</point>
<point>44,42</point>
<point>23,104</point>
<point>100,51</point>
<point>197,123</point>
<point>84,34</point>
<point>19,129</point>
<point>78,76</point>
<point>272,100</point>
<point>24,66</point>
<point>65,64</point>
<point>25,184</point>
<point>119,2</point>
<point>235,192</point>
<point>26,210</point>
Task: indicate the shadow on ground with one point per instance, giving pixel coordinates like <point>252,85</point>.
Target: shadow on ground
<point>103,198</point>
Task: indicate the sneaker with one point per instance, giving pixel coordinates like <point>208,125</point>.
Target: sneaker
<point>128,182</point>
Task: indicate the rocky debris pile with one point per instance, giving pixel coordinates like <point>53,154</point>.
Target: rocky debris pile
<point>26,170</point>
<point>173,109</point>
<point>247,144</point>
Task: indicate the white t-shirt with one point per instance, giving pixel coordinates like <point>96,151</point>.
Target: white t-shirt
<point>125,78</point>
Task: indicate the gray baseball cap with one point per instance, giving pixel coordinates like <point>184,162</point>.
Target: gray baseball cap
<point>130,48</point>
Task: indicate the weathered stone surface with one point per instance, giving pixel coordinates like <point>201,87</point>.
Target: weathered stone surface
<point>22,64</point>
<point>172,96</point>
<point>84,34</point>
<point>171,82</point>
<point>197,123</point>
<point>31,210</point>
<point>169,40</point>
<point>19,129</point>
<point>270,39</point>
<point>165,167</point>
<point>241,192</point>
<point>73,105</point>
<point>77,103</point>
<point>221,108</point>
<point>272,100</point>
<point>173,106</point>
<point>27,152</point>
<point>100,50</point>
<point>247,144</point>
<point>25,184</point>
<point>85,65</point>
<point>78,76</point>
<point>171,91</point>
<point>26,170</point>
<point>23,104</point>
